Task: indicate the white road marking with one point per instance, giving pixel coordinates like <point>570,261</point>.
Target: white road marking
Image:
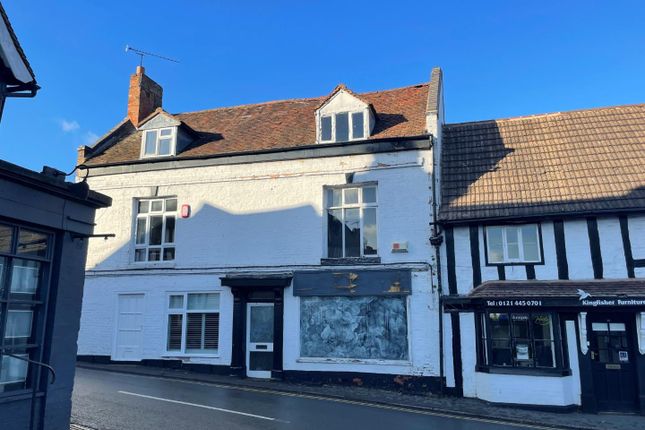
<point>447,414</point>
<point>213,408</point>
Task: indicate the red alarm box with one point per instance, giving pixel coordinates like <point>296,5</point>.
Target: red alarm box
<point>185,211</point>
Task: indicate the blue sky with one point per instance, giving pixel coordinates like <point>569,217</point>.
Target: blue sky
<point>500,59</point>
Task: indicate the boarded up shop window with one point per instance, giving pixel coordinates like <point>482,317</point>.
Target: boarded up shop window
<point>367,327</point>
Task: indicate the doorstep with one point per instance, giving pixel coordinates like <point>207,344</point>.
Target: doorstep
<point>457,406</point>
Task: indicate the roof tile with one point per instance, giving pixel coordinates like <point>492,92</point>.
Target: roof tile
<point>274,125</point>
<point>562,162</point>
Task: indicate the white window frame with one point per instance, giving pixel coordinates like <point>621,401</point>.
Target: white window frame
<point>350,115</point>
<point>173,142</point>
<point>184,311</point>
<point>360,205</point>
<point>520,243</point>
<point>146,245</point>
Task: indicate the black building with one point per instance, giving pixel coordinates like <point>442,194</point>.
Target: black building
<point>44,226</point>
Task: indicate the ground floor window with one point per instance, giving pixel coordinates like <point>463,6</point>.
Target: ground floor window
<point>366,327</point>
<point>520,340</point>
<point>193,322</point>
<point>25,257</point>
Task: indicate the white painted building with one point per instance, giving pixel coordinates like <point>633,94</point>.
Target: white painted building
<point>543,263</point>
<point>286,239</point>
<point>299,239</point>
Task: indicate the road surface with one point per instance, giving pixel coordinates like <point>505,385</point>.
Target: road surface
<point>114,401</point>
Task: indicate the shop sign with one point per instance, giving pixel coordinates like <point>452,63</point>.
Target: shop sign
<point>518,303</point>
<point>584,299</point>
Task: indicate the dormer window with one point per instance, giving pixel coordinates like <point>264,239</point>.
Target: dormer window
<point>344,117</point>
<point>159,143</point>
<point>342,126</point>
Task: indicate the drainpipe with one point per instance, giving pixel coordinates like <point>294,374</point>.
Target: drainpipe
<point>436,241</point>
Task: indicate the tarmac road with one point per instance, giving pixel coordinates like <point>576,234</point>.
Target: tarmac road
<point>114,401</point>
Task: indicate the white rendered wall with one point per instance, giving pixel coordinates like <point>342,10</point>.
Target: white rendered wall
<point>525,389</point>
<point>637,238</point>
<point>574,392</point>
<point>468,354</point>
<point>98,320</point>
<point>463,260</point>
<point>488,272</point>
<point>448,364</point>
<point>577,249</point>
<point>548,270</point>
<point>611,248</point>
<point>266,214</point>
<point>264,217</point>
<point>576,238</point>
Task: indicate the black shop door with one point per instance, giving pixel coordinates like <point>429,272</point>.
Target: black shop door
<point>613,363</point>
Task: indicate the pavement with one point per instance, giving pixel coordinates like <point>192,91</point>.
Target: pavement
<point>100,402</point>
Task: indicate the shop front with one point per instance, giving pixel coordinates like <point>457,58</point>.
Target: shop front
<point>556,344</point>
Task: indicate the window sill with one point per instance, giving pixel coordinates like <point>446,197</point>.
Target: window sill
<point>523,371</point>
<point>516,263</point>
<point>320,360</point>
<point>153,156</point>
<point>190,355</point>
<point>350,261</point>
<point>152,264</point>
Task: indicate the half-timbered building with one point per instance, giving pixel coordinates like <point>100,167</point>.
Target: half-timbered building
<point>543,259</point>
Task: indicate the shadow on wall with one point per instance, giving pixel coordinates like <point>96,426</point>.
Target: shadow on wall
<point>215,237</point>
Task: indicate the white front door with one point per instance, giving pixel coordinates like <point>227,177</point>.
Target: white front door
<point>259,340</point>
<point>129,327</point>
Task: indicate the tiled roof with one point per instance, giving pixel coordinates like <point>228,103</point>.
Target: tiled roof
<point>274,125</point>
<point>558,289</point>
<point>579,161</point>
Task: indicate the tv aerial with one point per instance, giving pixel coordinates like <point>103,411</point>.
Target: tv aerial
<point>141,54</point>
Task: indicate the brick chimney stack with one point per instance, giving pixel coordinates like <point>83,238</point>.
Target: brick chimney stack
<point>144,96</point>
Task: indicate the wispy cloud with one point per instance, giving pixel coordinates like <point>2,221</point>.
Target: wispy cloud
<point>90,137</point>
<point>69,126</point>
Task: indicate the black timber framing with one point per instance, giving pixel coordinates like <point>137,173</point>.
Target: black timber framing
<point>560,249</point>
<point>501,273</point>
<point>627,245</point>
<point>454,318</point>
<point>474,255</point>
<point>594,245</point>
<point>450,261</point>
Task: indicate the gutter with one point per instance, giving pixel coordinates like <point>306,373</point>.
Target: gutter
<point>396,142</point>
<point>540,216</point>
<point>78,192</point>
<point>260,156</point>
